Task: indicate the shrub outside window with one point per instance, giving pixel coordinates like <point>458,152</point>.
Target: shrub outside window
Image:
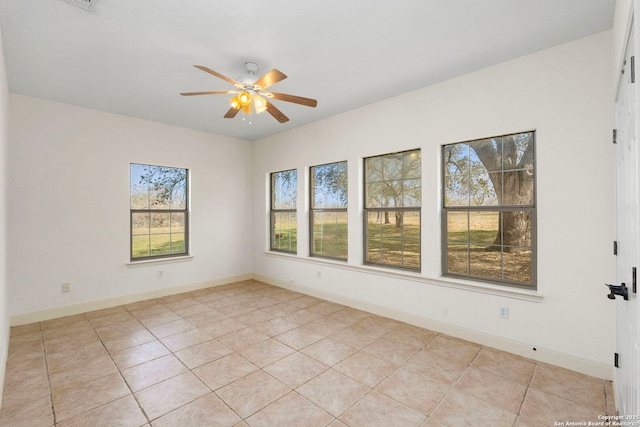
<point>284,228</point>
<point>159,211</point>
<point>392,200</point>
<point>328,212</point>
<point>489,211</point>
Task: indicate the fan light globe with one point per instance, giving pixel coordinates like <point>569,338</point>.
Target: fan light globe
<point>244,98</point>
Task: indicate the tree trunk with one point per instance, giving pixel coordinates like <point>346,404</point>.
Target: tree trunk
<point>514,187</point>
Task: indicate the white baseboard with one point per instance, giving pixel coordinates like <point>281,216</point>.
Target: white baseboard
<point>68,310</point>
<point>537,353</point>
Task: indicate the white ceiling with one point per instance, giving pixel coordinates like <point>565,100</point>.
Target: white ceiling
<point>134,57</point>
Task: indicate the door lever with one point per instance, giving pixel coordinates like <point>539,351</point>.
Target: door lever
<point>621,290</point>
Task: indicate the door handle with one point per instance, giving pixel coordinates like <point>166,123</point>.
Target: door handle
<point>621,290</point>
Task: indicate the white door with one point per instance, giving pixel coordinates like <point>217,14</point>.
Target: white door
<point>627,375</point>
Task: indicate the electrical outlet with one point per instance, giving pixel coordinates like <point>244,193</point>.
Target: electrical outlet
<point>318,274</point>
<point>503,312</point>
<point>160,274</point>
<point>65,288</point>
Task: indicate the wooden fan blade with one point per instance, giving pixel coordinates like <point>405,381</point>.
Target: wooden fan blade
<point>277,114</point>
<point>295,99</point>
<point>215,73</point>
<point>271,78</point>
<point>215,92</point>
<point>231,113</point>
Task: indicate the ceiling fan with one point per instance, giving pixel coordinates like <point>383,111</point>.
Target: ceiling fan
<point>251,92</point>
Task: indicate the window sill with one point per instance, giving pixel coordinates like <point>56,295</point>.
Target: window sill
<point>158,261</point>
<point>470,286</point>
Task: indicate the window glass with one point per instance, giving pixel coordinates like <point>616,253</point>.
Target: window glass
<point>489,209</point>
<point>284,227</point>
<point>328,211</point>
<point>393,199</point>
<point>159,215</point>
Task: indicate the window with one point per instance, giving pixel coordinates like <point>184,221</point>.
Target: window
<point>489,209</point>
<point>392,200</point>
<point>284,229</point>
<point>159,212</point>
<point>328,213</point>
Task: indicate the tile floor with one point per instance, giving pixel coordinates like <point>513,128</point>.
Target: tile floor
<point>250,354</point>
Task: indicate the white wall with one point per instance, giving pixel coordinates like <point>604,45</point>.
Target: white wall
<point>68,194</point>
<point>4,122</point>
<point>565,94</point>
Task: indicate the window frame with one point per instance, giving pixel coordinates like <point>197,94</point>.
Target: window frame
<point>273,211</point>
<point>382,210</point>
<point>531,209</point>
<point>170,211</point>
<point>313,210</point>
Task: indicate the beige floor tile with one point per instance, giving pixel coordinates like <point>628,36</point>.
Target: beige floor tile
<point>149,373</point>
<point>290,410</point>
<point>371,327</point>
<point>505,394</point>
<point>325,325</point>
<point>301,317</point>
<point>251,393</point>
<point>544,407</point>
<point>296,369</point>
<point>71,342</point>
<point>433,366</point>
<point>111,319</point>
<point>171,328</point>
<point>303,301</point>
<point>507,365</point>
<point>83,397</point>
<point>20,369</point>
<point>299,338</point>
<point>275,327</point>
<point>376,409</point>
<point>223,327</point>
<point>171,394</point>
<point>391,350</point>
<point>139,354</point>
<point>128,340</point>
<point>200,354</point>
<point>21,392</point>
<point>255,318</point>
<point>582,389</point>
<point>365,368</point>
<point>349,315</point>
<point>331,363</point>
<point>462,409</point>
<point>352,337</point>
<point>414,390</point>
<point>333,391</point>
<point>208,318</point>
<point>455,349</point>
<point>185,339</point>
<point>430,422</point>
<point>122,412</point>
<point>15,331</point>
<point>411,335</point>
<point>37,412</point>
<point>71,359</point>
<point>225,370</point>
<point>91,315</point>
<point>328,351</point>
<point>281,309</point>
<point>325,308</point>
<point>81,325</point>
<point>265,352</point>
<point>242,338</point>
<point>207,411</point>
<point>92,369</point>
